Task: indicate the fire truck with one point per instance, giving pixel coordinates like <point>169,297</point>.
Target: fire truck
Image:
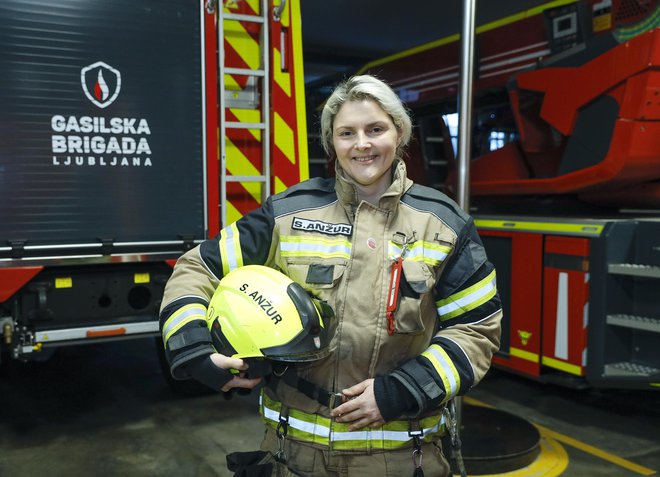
<point>131,130</point>
<point>564,179</point>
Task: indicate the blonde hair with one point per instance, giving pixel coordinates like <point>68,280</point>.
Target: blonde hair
<point>358,88</point>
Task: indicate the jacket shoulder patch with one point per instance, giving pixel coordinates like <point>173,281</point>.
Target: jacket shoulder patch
<point>427,199</point>
<point>309,194</point>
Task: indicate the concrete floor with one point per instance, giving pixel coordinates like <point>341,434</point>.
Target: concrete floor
<point>107,410</point>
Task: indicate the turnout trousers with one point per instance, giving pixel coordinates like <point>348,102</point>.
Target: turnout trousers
<point>305,460</point>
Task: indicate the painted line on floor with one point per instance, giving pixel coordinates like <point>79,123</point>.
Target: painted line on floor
<point>552,461</point>
<point>596,452</point>
<point>589,449</point>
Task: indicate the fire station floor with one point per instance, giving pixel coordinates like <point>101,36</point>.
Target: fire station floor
<point>106,410</point>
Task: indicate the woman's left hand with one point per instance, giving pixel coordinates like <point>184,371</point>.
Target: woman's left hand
<point>360,409</point>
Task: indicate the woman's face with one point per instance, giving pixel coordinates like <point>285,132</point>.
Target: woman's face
<point>365,141</point>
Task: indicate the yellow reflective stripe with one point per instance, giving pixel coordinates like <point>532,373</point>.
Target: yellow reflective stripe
<point>181,317</point>
<point>293,7</point>
<point>292,246</point>
<point>445,368</point>
<point>550,227</point>
<point>561,365</point>
<point>467,299</point>
<point>522,354</point>
<point>320,430</point>
<point>432,254</point>
<point>230,249</point>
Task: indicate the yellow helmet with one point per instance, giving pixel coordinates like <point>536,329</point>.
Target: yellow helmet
<point>257,311</point>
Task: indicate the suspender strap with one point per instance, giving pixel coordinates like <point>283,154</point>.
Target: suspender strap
<point>308,388</point>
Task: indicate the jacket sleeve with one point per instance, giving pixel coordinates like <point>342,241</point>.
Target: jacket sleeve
<point>469,314</point>
<point>195,277</point>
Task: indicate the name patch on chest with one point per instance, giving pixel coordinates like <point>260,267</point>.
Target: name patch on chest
<point>323,227</point>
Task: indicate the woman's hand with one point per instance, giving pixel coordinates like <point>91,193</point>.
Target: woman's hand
<point>360,409</point>
<point>239,380</point>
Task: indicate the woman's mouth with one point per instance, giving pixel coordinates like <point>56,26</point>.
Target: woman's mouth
<point>364,158</point>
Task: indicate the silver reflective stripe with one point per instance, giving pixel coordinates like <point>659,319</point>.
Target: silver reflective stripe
<point>174,322</point>
<point>315,248</point>
<point>335,436</point>
<point>427,253</point>
<point>417,252</point>
<point>449,370</point>
<point>466,301</point>
<point>311,428</point>
<point>230,253</point>
<point>380,434</point>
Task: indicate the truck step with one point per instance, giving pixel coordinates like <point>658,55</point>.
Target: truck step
<point>636,322</point>
<point>626,368</point>
<point>634,269</point>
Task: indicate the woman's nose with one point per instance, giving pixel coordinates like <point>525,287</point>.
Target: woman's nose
<point>362,141</point>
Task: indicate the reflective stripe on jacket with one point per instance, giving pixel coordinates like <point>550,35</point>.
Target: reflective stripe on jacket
<point>322,431</point>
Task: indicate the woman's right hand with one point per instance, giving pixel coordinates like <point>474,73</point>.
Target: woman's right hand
<point>239,380</point>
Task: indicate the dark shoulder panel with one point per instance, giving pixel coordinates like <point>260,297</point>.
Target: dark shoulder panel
<point>309,194</point>
<point>433,201</point>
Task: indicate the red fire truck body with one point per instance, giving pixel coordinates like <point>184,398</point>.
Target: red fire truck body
<point>129,132</point>
<point>564,180</point>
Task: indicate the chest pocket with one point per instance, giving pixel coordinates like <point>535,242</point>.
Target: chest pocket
<point>415,289</point>
<point>316,262</point>
<point>319,278</point>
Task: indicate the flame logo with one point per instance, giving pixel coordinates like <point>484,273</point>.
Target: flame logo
<point>101,83</point>
<point>101,90</point>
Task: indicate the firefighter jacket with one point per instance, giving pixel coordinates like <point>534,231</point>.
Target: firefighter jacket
<point>446,325</point>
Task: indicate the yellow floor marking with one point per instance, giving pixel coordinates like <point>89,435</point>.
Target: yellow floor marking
<point>551,462</point>
<point>621,462</point>
<point>552,437</point>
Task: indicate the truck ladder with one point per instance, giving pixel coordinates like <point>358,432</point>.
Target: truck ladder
<point>259,78</point>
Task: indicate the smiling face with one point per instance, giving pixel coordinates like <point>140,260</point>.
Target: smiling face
<point>365,141</point>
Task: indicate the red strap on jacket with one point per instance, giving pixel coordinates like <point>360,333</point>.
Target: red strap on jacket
<point>393,294</point>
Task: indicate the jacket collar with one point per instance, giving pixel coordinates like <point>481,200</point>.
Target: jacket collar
<point>347,189</point>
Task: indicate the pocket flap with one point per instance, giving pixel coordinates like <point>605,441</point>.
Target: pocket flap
<point>418,275</point>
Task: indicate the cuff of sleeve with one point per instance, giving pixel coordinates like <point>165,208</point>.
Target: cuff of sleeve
<point>392,398</point>
<point>207,373</point>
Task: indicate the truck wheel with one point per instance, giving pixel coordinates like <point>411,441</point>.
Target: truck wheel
<point>187,388</point>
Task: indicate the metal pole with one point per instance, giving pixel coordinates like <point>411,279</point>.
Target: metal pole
<point>465,104</point>
<point>465,137</point>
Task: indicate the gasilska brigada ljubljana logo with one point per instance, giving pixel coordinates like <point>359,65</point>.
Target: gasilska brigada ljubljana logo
<point>101,83</point>
<point>100,141</point>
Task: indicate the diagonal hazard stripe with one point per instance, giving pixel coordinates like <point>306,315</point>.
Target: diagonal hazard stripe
<point>254,5</point>
<point>239,165</point>
<point>284,138</point>
<point>239,39</point>
<point>282,78</point>
<point>279,186</point>
<point>248,116</point>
